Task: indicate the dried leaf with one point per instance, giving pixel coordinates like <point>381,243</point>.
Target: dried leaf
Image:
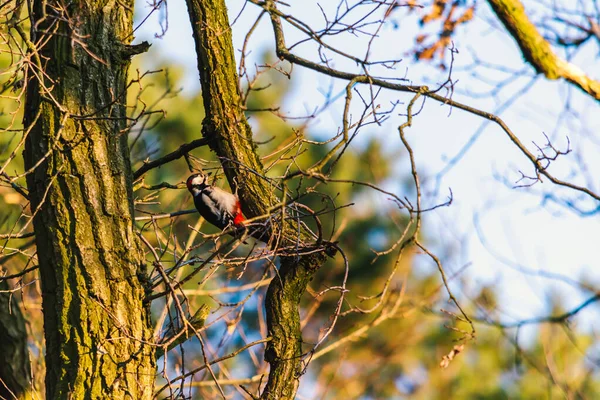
<point>437,10</point>
<point>421,38</point>
<point>467,15</point>
<point>427,53</point>
<point>450,356</point>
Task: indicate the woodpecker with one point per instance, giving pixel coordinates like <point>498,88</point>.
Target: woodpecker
<point>217,206</point>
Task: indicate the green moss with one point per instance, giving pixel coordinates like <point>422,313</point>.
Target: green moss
<point>535,49</point>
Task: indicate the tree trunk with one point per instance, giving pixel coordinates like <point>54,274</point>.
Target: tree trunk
<point>92,269</point>
<point>230,137</point>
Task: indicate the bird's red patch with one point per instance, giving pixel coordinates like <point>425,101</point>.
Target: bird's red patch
<point>188,183</point>
<point>239,217</point>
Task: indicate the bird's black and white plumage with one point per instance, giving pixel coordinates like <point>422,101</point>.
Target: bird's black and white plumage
<point>217,206</point>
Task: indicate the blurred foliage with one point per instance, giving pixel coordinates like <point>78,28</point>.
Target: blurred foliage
<point>11,116</point>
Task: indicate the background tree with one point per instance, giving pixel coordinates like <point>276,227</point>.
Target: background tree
<point>378,317</point>
<point>15,371</point>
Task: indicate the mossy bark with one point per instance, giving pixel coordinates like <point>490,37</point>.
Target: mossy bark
<point>284,352</point>
<point>91,264</point>
<point>537,51</point>
<point>230,137</point>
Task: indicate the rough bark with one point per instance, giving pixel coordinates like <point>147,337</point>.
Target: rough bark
<point>537,51</point>
<point>91,265</point>
<point>230,137</point>
<point>284,353</point>
<point>15,370</point>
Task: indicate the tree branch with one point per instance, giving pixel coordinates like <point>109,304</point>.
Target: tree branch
<point>284,53</point>
<point>180,152</point>
<point>537,51</point>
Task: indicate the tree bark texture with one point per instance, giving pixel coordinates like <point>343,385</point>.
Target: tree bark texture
<point>92,268</point>
<point>537,51</point>
<point>15,370</point>
<point>230,137</point>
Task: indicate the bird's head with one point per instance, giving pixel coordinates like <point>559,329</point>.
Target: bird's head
<point>196,181</point>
